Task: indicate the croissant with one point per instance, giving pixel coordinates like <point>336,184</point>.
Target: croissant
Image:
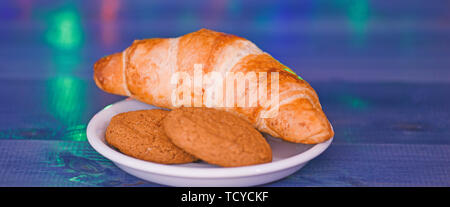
<point>143,71</point>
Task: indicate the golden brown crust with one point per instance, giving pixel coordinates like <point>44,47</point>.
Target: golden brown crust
<point>150,64</point>
<point>140,134</point>
<point>217,137</point>
<point>108,74</point>
<point>142,73</point>
<point>201,47</point>
<point>299,122</point>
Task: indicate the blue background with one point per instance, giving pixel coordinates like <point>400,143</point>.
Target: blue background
<point>381,69</point>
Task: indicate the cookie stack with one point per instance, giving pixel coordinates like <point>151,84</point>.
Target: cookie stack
<point>185,135</point>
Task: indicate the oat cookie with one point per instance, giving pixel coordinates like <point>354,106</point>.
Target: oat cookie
<point>217,137</point>
<point>140,134</point>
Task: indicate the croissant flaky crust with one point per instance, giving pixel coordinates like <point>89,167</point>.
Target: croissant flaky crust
<point>143,71</point>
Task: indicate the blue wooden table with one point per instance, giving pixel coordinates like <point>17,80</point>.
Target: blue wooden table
<point>381,69</point>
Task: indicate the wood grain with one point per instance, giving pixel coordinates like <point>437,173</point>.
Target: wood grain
<point>380,68</point>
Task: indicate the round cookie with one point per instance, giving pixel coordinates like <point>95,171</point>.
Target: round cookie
<point>140,134</point>
<point>217,137</point>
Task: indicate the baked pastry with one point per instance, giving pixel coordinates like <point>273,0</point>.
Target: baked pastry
<point>144,71</point>
<point>216,137</point>
<point>140,134</point>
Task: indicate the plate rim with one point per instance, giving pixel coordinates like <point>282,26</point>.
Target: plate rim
<point>183,171</point>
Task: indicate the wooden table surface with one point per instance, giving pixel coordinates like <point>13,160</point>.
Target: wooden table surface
<point>381,69</point>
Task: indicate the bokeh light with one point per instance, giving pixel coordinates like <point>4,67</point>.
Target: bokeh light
<point>64,29</point>
<point>66,94</point>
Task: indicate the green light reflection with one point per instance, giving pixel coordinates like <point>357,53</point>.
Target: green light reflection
<point>292,72</point>
<point>354,102</point>
<point>66,97</point>
<point>358,13</point>
<point>65,93</point>
<point>65,31</point>
<point>76,132</point>
<point>106,107</point>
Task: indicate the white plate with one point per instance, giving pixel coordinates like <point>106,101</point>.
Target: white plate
<point>287,158</point>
